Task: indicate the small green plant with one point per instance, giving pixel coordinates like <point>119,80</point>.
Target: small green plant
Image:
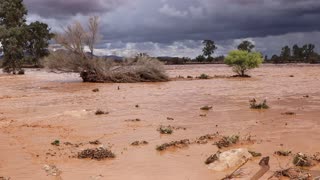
<point>56,143</point>
<point>165,130</point>
<point>204,76</point>
<point>255,105</point>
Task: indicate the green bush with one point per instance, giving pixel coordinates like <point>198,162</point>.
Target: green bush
<point>204,76</point>
<point>243,61</point>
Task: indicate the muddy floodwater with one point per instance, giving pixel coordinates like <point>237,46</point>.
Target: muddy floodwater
<point>41,107</point>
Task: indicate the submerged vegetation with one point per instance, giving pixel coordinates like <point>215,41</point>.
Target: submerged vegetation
<point>255,105</point>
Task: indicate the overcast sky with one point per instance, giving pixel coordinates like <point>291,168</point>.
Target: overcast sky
<point>177,27</point>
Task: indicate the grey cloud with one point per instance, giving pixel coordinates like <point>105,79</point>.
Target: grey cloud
<point>162,25</point>
<point>66,8</point>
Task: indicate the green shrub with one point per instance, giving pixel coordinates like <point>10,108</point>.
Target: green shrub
<point>242,61</point>
<point>204,76</point>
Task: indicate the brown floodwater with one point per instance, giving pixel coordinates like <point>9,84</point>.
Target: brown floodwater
<point>41,107</point>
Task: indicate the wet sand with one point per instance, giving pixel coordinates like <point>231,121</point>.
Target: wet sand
<point>41,107</point>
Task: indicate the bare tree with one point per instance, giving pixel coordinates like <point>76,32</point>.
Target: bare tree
<point>93,35</point>
<point>73,38</point>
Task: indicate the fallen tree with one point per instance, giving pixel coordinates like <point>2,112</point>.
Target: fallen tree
<point>131,70</point>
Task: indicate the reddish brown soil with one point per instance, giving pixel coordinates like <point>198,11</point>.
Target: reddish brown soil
<point>41,107</point>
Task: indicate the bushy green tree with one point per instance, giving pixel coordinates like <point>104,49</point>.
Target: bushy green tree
<point>246,46</point>
<point>38,37</point>
<point>12,33</point>
<point>200,58</point>
<point>285,53</point>
<point>209,48</point>
<point>17,37</point>
<point>242,61</point>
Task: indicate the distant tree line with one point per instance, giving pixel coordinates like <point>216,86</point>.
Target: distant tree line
<point>296,54</point>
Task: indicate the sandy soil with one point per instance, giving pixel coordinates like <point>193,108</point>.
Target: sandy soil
<point>41,107</point>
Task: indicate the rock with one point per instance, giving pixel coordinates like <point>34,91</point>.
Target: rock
<point>100,112</point>
<point>51,170</point>
<point>206,108</point>
<point>230,159</point>
<point>95,90</point>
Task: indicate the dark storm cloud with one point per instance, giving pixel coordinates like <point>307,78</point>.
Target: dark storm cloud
<point>165,22</point>
<point>67,8</point>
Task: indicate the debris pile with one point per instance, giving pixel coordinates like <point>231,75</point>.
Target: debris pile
<point>97,153</point>
<point>302,160</point>
<point>227,141</point>
<point>181,143</point>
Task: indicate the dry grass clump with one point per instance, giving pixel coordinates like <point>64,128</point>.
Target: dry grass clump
<point>255,105</point>
<point>97,153</point>
<point>138,69</point>
<point>179,144</point>
<point>227,141</point>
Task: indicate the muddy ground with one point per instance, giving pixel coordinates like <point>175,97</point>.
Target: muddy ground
<point>41,107</point>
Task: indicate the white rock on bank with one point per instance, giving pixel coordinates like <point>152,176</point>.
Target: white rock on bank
<point>230,159</point>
